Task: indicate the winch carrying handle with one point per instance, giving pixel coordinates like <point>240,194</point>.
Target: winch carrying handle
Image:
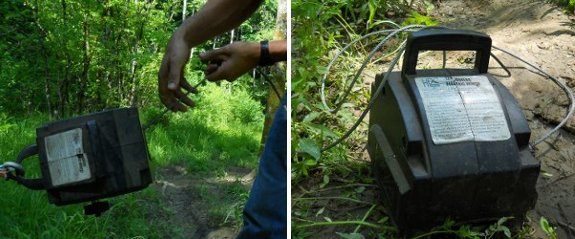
<point>441,39</point>
<point>34,184</point>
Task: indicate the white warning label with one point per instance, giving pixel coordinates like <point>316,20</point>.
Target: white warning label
<point>67,161</point>
<point>462,108</point>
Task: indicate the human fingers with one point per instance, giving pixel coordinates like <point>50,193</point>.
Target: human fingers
<point>172,99</point>
<point>178,55</point>
<point>222,72</point>
<point>183,98</point>
<point>211,68</point>
<point>166,95</point>
<point>172,102</point>
<point>175,75</point>
<point>215,55</point>
<point>186,85</point>
<point>164,70</point>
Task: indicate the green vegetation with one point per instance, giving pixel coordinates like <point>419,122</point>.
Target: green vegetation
<point>333,192</point>
<point>567,4</point>
<point>207,138</point>
<point>547,228</point>
<point>70,57</point>
<point>320,31</point>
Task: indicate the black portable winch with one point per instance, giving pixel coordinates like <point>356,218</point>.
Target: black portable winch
<point>449,143</point>
<point>88,158</point>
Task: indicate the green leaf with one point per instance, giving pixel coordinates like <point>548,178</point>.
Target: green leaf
<point>310,147</point>
<point>353,235</point>
<point>506,231</point>
<point>372,9</point>
<point>320,211</point>
<point>547,228</point>
<point>311,116</point>
<point>502,220</point>
<point>383,220</point>
<point>360,189</point>
<point>546,174</point>
<point>320,129</point>
<point>310,162</point>
<point>325,181</point>
<point>416,18</point>
<point>448,224</point>
<point>466,232</point>
<point>544,224</point>
<point>429,6</point>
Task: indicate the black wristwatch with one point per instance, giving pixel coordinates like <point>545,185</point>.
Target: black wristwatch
<point>265,59</point>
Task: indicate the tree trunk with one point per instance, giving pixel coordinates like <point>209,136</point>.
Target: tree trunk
<point>119,68</point>
<point>184,10</point>
<point>86,67</point>
<point>278,77</point>
<point>44,53</point>
<point>63,89</point>
<point>133,96</point>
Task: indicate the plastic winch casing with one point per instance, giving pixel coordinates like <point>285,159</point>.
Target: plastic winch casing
<point>91,157</point>
<point>424,183</point>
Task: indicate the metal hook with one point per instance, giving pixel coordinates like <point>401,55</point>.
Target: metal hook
<point>12,166</point>
<point>3,172</point>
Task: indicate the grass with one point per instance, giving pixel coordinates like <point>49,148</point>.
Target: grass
<point>222,132</point>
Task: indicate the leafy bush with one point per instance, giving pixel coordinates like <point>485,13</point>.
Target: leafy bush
<point>417,19</point>
<point>229,102</point>
<point>568,4</point>
<point>75,56</point>
<point>246,110</point>
<point>320,29</point>
<point>5,124</point>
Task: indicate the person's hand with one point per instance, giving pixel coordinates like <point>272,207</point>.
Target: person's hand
<point>171,76</point>
<point>231,61</point>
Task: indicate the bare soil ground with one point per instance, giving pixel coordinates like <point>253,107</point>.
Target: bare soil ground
<point>193,200</point>
<point>542,34</point>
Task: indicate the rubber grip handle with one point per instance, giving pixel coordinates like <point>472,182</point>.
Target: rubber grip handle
<point>34,184</point>
<point>31,150</point>
<point>441,39</point>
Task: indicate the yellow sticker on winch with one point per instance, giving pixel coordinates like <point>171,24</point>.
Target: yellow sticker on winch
<point>462,108</point>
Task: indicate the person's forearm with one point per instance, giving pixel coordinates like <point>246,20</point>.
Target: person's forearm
<point>214,18</point>
<point>278,50</point>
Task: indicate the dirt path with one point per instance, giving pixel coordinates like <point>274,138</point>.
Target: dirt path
<point>194,199</point>
<point>543,34</point>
